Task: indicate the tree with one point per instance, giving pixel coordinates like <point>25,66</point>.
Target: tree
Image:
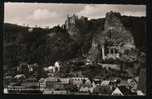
<point>142,80</point>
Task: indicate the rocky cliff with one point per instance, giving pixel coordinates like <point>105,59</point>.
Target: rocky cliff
<point>113,34</point>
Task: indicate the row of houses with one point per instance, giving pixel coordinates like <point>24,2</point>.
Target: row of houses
<point>53,85</point>
<point>78,85</point>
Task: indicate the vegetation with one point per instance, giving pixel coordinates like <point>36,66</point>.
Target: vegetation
<point>45,46</point>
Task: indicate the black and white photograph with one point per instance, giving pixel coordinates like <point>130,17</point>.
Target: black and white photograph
<point>74,49</point>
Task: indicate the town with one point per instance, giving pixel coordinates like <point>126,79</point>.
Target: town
<point>111,66</point>
<point>77,85</point>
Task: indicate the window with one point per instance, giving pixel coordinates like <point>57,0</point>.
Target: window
<point>112,51</point>
<point>116,51</point>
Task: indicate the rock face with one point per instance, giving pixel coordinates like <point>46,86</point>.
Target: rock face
<point>115,30</point>
<point>70,26</point>
<point>78,29</point>
<point>112,41</point>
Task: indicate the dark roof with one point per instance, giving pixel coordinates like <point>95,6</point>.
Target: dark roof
<point>125,91</point>
<point>86,85</point>
<point>97,82</point>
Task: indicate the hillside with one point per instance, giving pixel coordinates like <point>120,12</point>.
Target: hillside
<point>44,46</point>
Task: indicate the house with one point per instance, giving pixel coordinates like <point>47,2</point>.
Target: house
<point>5,91</point>
<point>54,86</point>
<point>112,66</point>
<point>132,84</point>
<point>126,91</point>
<point>48,91</point>
<point>60,92</point>
<point>42,84</point>
<point>77,83</point>
<point>79,78</point>
<point>15,88</point>
<point>55,83</point>
<point>55,92</point>
<point>22,90</point>
<point>88,82</point>
<point>117,92</point>
<point>51,69</point>
<point>64,80</point>
<point>20,76</point>
<point>31,83</point>
<point>41,80</point>
<point>57,65</point>
<point>84,89</point>
<point>123,83</point>
<point>106,90</point>
<point>93,84</point>
<point>105,83</point>
<point>50,82</point>
<point>31,79</point>
<point>140,93</point>
<point>96,90</point>
<point>22,68</point>
<point>51,79</point>
<point>97,81</point>
<point>54,68</point>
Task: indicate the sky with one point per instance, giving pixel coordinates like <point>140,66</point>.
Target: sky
<point>52,14</point>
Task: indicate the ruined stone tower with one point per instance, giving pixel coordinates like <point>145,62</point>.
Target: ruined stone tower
<point>70,25</point>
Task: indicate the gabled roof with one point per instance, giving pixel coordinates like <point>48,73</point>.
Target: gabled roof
<point>117,92</point>
<point>105,83</point>
<point>125,90</point>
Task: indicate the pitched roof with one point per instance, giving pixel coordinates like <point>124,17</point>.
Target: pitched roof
<point>117,92</point>
<point>125,90</point>
<point>105,83</point>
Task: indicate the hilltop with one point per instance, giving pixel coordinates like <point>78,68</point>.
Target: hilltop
<point>45,46</point>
